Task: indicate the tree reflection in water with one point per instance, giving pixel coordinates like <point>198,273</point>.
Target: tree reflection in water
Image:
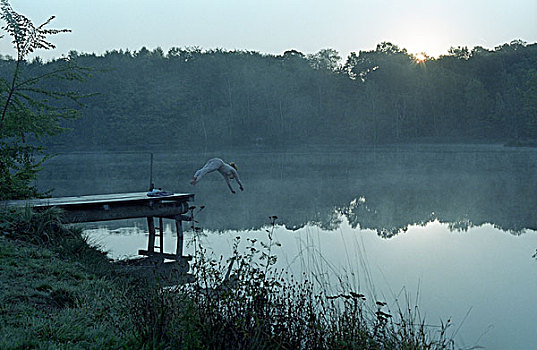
<point>385,189</point>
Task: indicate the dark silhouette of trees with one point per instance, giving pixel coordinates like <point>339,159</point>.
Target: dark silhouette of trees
<point>207,99</point>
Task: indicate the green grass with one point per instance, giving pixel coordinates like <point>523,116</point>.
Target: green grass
<point>49,303</point>
<point>57,292</point>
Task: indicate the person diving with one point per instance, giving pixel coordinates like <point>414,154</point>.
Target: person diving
<point>228,171</point>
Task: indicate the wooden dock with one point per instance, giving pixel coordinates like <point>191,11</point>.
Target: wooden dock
<point>119,206</point>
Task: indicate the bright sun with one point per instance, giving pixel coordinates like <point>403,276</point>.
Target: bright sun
<point>420,57</point>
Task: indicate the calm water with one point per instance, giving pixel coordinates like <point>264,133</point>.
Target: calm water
<point>450,227</point>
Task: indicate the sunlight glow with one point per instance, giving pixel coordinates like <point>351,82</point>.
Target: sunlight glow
<point>420,57</point>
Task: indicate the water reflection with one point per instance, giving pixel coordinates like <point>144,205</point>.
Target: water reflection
<point>482,279</point>
<point>336,209</point>
<point>383,189</point>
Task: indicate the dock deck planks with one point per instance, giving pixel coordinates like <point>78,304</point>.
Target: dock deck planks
<point>94,199</point>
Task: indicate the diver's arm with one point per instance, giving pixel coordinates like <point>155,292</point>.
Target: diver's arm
<point>229,184</point>
<point>236,176</point>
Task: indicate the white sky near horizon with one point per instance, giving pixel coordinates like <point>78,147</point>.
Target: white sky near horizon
<point>274,26</point>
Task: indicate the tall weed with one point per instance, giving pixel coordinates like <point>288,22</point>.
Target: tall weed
<point>244,302</point>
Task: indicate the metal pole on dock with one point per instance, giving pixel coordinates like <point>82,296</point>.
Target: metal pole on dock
<point>151,184</point>
<point>150,220</point>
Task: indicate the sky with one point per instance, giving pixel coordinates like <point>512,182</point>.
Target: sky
<point>274,26</point>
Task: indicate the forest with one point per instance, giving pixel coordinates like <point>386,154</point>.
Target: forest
<point>189,98</point>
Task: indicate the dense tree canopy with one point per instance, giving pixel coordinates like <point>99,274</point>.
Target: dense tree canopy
<point>189,97</point>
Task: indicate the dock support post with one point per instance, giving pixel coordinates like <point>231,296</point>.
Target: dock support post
<point>179,227</point>
<point>161,234</point>
<point>151,229</point>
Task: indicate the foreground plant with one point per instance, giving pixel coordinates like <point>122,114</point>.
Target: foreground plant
<point>244,302</point>
<point>29,110</point>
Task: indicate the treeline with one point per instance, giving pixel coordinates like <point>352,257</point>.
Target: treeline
<point>189,97</point>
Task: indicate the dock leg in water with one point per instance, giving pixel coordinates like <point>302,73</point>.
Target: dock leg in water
<point>161,234</point>
<point>151,229</point>
<point>179,226</point>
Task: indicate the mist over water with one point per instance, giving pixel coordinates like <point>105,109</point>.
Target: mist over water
<point>382,188</point>
<point>453,224</point>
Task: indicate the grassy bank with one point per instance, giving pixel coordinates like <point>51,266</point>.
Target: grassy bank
<point>55,292</point>
<point>59,292</point>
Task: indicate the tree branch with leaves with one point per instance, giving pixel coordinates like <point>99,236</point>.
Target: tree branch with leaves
<point>28,106</point>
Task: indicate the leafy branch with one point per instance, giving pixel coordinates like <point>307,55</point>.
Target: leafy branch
<point>26,38</point>
<point>28,105</point>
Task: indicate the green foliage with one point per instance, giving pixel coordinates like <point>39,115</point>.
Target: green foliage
<point>529,99</point>
<point>34,227</point>
<point>26,37</point>
<point>18,170</point>
<point>191,98</point>
<point>29,109</point>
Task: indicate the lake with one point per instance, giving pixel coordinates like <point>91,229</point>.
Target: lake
<point>449,227</point>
